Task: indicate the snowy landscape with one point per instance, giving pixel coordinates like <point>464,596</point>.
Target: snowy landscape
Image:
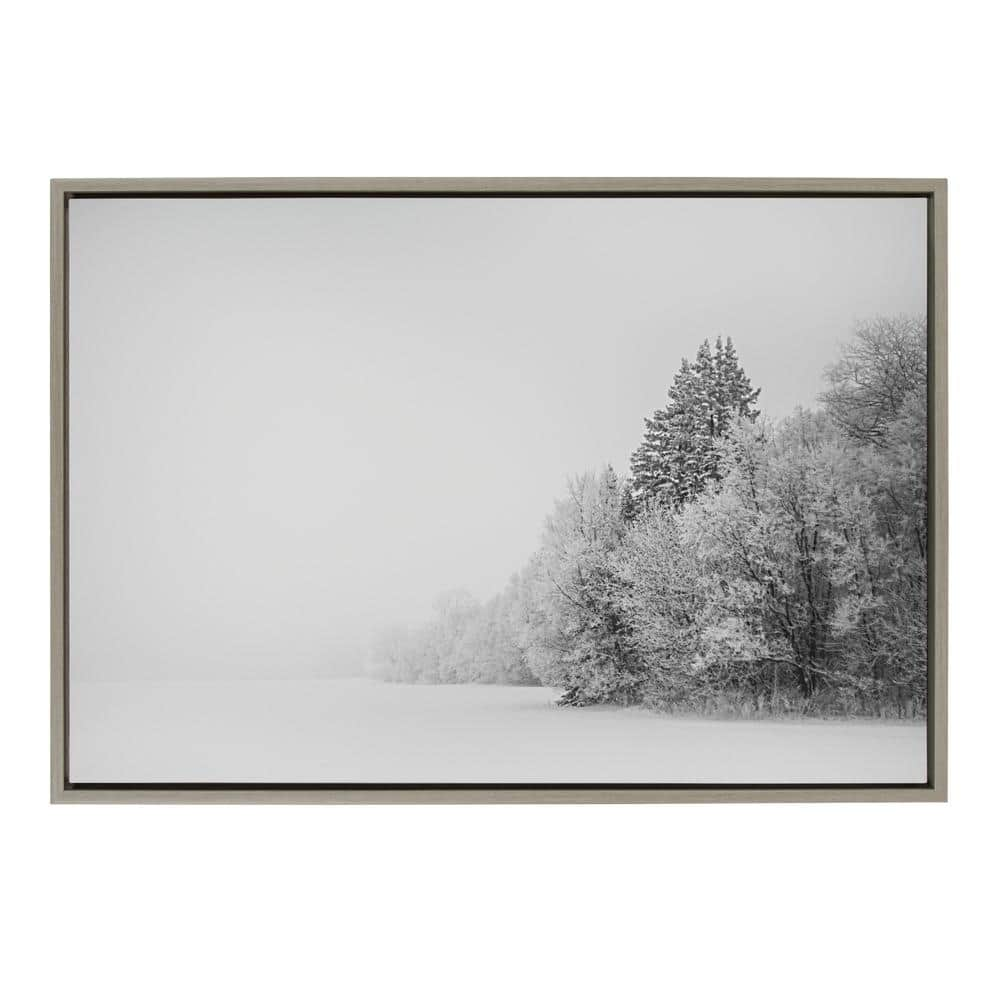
<point>744,567</point>
<point>530,491</point>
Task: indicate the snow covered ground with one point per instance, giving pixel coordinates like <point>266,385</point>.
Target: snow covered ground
<point>358,730</point>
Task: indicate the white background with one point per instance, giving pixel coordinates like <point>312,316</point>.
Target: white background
<point>824,901</point>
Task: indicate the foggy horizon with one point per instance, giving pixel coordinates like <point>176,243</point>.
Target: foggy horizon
<point>297,421</point>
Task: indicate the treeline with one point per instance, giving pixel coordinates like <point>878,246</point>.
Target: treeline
<point>746,566</point>
<point>466,642</point>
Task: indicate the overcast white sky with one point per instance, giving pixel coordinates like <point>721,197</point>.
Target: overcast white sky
<point>294,420</point>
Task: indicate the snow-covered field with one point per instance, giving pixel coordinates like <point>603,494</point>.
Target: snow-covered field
<point>359,730</point>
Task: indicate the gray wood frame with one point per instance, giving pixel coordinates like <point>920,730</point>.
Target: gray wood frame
<point>935,790</point>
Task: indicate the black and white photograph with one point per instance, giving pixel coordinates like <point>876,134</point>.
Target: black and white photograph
<point>497,490</point>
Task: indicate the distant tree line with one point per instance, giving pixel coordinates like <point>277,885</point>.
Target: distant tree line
<point>466,642</point>
<point>746,566</point>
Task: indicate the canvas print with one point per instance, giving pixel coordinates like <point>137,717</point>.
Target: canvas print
<point>498,490</point>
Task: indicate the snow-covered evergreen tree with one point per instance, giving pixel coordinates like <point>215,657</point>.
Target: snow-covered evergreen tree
<point>735,397</point>
<point>650,468</point>
<point>679,452</point>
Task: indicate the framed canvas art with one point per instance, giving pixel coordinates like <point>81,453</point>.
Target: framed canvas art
<point>466,490</point>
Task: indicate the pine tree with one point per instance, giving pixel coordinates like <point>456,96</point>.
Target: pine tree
<point>736,396</point>
<point>678,456</point>
<point>650,469</point>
